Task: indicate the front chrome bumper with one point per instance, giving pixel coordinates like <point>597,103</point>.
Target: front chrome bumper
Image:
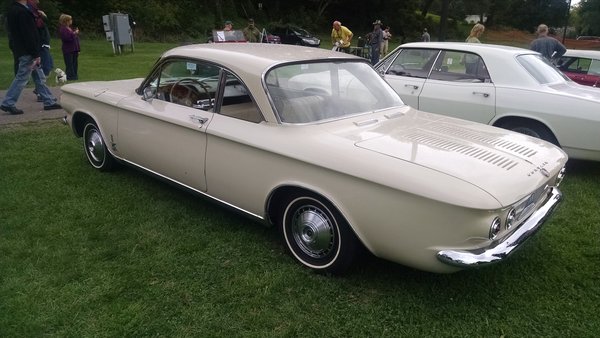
<point>502,248</point>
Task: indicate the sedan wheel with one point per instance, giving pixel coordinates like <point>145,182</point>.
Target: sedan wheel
<point>317,235</point>
<point>95,148</point>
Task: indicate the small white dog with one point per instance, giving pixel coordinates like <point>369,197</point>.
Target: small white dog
<point>61,76</point>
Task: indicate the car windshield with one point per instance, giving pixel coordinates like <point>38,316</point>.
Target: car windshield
<point>311,92</point>
<point>541,69</point>
<point>300,32</point>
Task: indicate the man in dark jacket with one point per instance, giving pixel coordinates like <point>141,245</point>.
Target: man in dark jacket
<point>24,42</point>
<point>549,47</point>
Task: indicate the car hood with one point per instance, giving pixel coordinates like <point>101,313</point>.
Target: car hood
<point>481,155</point>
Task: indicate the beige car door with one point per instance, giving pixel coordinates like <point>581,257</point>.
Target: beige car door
<point>166,132</point>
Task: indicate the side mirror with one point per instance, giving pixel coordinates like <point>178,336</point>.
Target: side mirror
<point>148,93</point>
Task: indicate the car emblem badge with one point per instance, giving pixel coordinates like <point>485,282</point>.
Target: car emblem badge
<point>545,172</point>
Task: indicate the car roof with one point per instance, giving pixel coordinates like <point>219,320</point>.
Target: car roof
<point>250,61</point>
<point>254,57</point>
<point>592,54</point>
<point>474,47</point>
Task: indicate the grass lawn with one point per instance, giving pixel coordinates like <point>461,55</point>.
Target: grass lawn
<point>84,253</point>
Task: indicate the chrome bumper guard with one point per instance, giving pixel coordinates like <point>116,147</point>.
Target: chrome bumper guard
<point>499,250</point>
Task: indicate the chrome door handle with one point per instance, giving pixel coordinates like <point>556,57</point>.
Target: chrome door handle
<point>200,119</point>
<point>413,86</point>
<point>482,93</point>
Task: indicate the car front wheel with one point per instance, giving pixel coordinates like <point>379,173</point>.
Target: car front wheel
<point>317,235</point>
<point>95,148</point>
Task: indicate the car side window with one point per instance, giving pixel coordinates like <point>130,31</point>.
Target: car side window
<point>573,64</point>
<point>594,67</point>
<point>579,65</point>
<point>413,63</point>
<point>460,66</point>
<point>188,82</point>
<point>237,102</point>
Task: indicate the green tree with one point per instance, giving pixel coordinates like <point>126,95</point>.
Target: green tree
<point>588,13</point>
<point>193,19</point>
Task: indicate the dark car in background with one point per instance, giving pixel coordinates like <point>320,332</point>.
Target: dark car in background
<point>588,37</point>
<point>293,35</point>
<point>581,66</point>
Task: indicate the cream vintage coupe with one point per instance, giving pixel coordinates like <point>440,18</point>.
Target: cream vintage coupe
<point>316,143</point>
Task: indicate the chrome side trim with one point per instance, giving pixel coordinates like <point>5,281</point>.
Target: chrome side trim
<point>499,250</point>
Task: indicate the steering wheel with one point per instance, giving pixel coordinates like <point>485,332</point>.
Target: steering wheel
<point>186,99</point>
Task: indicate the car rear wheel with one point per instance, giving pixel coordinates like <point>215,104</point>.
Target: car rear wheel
<point>317,235</point>
<point>530,128</point>
<point>95,148</point>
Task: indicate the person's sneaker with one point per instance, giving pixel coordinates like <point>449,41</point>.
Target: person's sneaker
<point>53,106</point>
<point>12,110</point>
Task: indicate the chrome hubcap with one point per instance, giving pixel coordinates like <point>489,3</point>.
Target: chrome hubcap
<point>95,146</point>
<point>313,231</point>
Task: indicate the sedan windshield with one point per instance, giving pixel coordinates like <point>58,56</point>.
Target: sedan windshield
<point>311,92</point>
<point>541,69</point>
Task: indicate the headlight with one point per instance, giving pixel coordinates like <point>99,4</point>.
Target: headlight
<point>510,218</point>
<point>495,227</point>
<point>561,175</point>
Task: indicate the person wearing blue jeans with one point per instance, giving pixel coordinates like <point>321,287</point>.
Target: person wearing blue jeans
<point>28,67</point>
<point>24,42</point>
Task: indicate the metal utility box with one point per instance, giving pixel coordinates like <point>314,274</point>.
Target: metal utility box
<point>118,31</point>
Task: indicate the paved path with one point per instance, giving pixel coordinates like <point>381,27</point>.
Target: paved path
<point>32,110</point>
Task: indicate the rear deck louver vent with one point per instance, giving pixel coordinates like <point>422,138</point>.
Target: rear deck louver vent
<point>471,151</point>
<point>501,143</point>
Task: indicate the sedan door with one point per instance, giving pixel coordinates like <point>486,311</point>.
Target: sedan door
<point>460,86</point>
<point>407,71</point>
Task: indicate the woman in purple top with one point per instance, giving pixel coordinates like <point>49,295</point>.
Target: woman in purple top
<point>70,45</point>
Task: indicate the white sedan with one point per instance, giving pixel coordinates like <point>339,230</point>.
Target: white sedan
<point>336,161</point>
<point>503,86</point>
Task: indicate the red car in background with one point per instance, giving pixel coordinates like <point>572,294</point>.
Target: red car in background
<point>581,66</point>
